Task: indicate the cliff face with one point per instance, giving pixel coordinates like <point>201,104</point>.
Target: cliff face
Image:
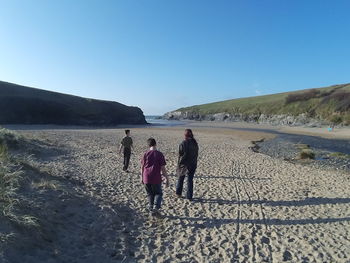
<point>24,105</point>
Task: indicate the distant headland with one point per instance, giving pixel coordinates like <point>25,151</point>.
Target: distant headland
<point>25,105</point>
<point>312,107</point>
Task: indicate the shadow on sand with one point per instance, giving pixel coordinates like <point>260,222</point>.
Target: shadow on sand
<point>233,178</point>
<point>204,222</point>
<point>72,225</point>
<point>304,202</point>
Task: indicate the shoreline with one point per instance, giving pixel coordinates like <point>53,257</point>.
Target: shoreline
<point>331,152</point>
<point>337,133</point>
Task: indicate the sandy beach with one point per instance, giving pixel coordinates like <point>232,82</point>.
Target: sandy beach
<point>247,207</point>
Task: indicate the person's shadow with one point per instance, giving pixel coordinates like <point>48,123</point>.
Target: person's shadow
<point>205,222</point>
<point>304,202</point>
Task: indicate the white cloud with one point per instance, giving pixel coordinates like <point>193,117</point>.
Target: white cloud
<point>258,92</point>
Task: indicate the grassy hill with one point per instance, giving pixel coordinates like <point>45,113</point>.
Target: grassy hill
<point>330,103</point>
<point>24,105</point>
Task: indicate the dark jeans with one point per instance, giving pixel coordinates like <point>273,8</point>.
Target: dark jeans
<point>127,154</point>
<point>180,184</point>
<point>155,193</point>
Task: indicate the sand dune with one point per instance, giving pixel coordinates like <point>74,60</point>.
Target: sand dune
<point>248,207</point>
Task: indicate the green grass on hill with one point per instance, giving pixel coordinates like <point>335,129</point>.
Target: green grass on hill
<point>329,103</point>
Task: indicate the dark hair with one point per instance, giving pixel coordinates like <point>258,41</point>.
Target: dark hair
<point>189,135</point>
<point>151,142</point>
<point>127,131</point>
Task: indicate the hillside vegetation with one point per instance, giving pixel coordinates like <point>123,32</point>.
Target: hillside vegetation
<point>24,105</point>
<point>331,104</point>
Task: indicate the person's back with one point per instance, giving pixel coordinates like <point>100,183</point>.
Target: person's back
<point>187,164</point>
<point>153,160</point>
<point>152,168</point>
<point>126,144</point>
<point>188,153</point>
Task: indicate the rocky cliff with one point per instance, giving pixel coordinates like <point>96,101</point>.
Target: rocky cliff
<point>24,105</point>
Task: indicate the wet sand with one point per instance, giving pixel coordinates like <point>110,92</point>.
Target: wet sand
<point>248,207</point>
<point>336,133</point>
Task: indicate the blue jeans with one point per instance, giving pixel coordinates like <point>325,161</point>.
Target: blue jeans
<point>155,193</point>
<point>180,184</point>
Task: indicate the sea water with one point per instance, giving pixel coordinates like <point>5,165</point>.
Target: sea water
<point>155,120</point>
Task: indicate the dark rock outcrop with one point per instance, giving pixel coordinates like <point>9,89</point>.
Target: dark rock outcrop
<point>24,105</point>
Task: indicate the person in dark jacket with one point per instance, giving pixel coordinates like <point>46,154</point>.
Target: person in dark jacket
<point>187,164</point>
<point>127,145</point>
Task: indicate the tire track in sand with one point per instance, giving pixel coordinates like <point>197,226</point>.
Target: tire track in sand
<point>235,253</point>
<point>265,240</point>
<point>253,228</point>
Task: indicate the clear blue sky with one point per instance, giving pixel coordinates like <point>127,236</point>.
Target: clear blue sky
<point>165,54</point>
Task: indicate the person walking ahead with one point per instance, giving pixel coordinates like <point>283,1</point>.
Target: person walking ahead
<point>127,145</point>
<point>187,164</point>
<point>152,169</point>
